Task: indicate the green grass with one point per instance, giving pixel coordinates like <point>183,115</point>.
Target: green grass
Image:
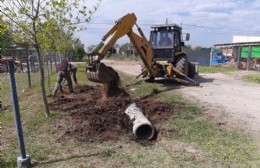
<point>21,85</point>
<point>255,78</point>
<point>216,69</point>
<point>196,141</point>
<point>228,147</point>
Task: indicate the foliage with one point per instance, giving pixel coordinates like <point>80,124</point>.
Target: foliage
<point>198,48</point>
<point>55,21</point>
<point>91,47</point>
<point>5,34</point>
<point>40,23</point>
<point>79,51</point>
<point>128,49</point>
<point>187,47</point>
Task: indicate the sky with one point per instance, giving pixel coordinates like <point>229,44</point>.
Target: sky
<point>209,22</point>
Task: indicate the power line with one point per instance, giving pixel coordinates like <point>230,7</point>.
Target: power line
<point>109,25</point>
<point>200,26</point>
<point>226,32</point>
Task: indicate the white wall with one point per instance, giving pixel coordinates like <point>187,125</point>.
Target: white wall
<point>242,39</point>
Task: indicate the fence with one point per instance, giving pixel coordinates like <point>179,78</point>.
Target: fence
<point>27,67</point>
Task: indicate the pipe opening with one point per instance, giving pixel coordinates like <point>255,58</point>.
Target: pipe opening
<point>144,131</point>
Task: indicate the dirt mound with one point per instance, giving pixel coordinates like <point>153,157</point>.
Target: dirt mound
<point>88,117</point>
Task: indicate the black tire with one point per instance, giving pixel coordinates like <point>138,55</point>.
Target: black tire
<point>149,80</point>
<point>182,64</point>
<point>192,70</point>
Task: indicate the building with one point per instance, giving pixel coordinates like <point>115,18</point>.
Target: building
<point>244,51</point>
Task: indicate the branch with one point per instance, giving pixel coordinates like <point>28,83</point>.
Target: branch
<point>32,8</point>
<point>23,7</point>
<point>23,27</point>
<point>34,17</point>
<point>38,7</point>
<point>91,14</point>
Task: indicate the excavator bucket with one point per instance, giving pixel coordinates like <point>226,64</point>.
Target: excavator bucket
<point>102,74</point>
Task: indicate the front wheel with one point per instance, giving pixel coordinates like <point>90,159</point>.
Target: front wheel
<point>182,65</point>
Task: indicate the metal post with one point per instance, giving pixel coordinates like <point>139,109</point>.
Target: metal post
<point>23,161</point>
<point>239,56</point>
<point>211,55</point>
<point>248,58</point>
<point>28,74</point>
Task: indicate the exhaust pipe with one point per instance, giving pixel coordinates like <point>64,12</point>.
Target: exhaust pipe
<point>142,128</point>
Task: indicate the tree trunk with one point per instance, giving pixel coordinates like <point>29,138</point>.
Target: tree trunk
<point>41,71</point>
<point>41,67</point>
<point>42,83</point>
<point>48,73</point>
<point>55,61</point>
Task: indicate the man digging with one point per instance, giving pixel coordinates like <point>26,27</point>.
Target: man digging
<point>63,69</point>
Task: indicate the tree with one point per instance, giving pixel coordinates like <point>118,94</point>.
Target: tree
<point>187,47</point>
<point>78,50</point>
<point>128,49</point>
<point>199,48</point>
<point>28,16</point>
<point>91,47</point>
<point>5,34</point>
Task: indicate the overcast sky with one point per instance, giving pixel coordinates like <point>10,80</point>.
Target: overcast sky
<point>208,21</point>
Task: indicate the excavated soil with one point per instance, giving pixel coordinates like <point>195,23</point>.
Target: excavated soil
<point>89,117</point>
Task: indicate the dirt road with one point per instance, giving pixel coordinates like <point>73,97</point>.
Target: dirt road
<point>219,95</point>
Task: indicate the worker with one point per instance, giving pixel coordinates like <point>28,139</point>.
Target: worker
<point>32,61</point>
<point>63,72</point>
<point>73,71</point>
<point>165,40</point>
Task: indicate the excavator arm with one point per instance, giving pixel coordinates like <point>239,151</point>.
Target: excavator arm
<point>98,72</point>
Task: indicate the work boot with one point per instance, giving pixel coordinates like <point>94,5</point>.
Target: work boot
<point>61,90</point>
<point>55,90</point>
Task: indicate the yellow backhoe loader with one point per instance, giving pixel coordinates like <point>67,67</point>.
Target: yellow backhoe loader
<point>162,56</point>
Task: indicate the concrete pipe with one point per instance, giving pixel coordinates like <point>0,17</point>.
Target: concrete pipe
<point>142,128</point>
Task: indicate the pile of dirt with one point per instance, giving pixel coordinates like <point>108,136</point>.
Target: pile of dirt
<point>88,117</point>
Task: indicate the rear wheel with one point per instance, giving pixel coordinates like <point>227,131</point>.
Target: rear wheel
<point>182,65</point>
<point>192,70</point>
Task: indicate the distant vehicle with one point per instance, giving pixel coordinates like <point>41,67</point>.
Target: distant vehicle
<point>219,58</point>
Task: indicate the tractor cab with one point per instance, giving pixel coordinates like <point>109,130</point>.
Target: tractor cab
<point>166,41</point>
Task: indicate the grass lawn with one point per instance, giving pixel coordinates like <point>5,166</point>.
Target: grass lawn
<point>250,77</point>
<point>255,78</point>
<point>191,138</point>
<point>216,69</point>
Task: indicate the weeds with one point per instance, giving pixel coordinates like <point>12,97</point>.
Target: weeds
<point>216,69</point>
<point>255,78</point>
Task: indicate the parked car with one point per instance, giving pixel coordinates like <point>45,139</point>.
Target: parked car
<point>220,58</point>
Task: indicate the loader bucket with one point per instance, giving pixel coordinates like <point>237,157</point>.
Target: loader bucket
<point>102,74</point>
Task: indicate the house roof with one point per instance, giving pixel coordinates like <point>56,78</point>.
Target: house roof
<point>257,43</point>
